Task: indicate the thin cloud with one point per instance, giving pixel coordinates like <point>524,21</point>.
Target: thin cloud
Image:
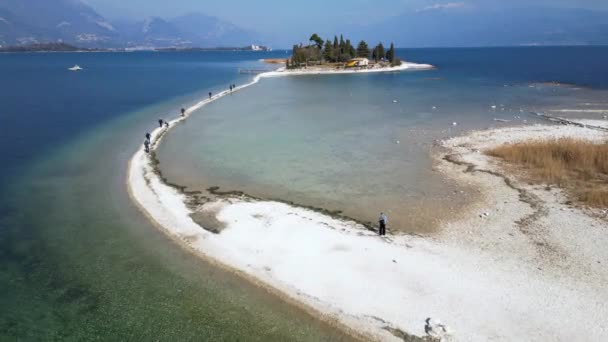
<point>449,5</point>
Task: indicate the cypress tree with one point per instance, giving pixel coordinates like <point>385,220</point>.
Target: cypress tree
<point>391,53</point>
<point>347,46</point>
<point>350,50</point>
<point>380,54</point>
<point>328,52</point>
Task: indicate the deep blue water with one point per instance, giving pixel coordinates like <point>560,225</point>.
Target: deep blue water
<point>583,66</point>
<point>43,105</point>
<point>79,262</point>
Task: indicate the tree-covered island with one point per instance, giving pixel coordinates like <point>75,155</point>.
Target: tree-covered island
<point>341,54</point>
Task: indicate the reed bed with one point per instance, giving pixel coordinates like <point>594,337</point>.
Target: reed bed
<point>576,165</point>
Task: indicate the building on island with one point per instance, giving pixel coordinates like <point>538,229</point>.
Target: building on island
<point>254,47</point>
<point>357,62</point>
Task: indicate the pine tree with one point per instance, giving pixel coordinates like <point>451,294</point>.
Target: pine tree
<point>342,53</point>
<point>328,52</point>
<point>363,50</point>
<point>336,44</point>
<point>317,40</point>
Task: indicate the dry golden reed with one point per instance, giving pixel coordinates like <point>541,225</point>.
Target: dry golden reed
<point>577,165</point>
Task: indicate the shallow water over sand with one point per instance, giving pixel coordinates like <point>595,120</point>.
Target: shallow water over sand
<point>360,144</point>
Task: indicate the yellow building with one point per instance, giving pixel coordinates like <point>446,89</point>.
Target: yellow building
<point>357,62</point>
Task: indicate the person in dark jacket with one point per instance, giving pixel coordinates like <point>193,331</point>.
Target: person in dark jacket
<point>160,123</point>
<point>210,94</point>
<point>382,221</point>
<point>147,145</point>
<point>183,112</point>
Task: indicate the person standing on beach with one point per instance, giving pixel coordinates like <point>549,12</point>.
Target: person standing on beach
<point>183,112</point>
<point>148,136</point>
<point>210,94</point>
<point>160,123</point>
<point>147,145</point>
<point>382,221</point>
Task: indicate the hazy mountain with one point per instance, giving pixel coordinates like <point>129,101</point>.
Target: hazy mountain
<point>195,29</point>
<point>53,20</point>
<point>204,30</point>
<point>479,27</point>
<point>74,22</point>
<point>154,31</point>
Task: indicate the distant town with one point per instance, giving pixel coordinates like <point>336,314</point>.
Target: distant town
<point>63,47</point>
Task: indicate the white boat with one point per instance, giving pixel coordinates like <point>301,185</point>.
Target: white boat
<point>75,68</point>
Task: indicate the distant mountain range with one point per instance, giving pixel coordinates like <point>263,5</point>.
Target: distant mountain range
<point>74,22</point>
<point>454,24</point>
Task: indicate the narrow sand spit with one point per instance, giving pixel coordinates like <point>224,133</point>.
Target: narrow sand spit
<point>521,266</point>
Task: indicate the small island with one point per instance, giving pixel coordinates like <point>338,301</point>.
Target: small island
<point>341,54</point>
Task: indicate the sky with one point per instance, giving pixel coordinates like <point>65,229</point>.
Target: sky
<point>270,14</point>
<point>295,18</point>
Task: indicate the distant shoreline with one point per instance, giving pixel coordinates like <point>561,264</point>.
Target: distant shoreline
<point>62,47</point>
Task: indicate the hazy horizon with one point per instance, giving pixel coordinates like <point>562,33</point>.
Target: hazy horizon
<point>407,23</point>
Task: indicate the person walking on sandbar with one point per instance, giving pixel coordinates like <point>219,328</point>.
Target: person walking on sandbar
<point>210,94</point>
<point>147,145</point>
<point>148,136</point>
<point>160,123</point>
<point>183,112</point>
<point>382,221</point>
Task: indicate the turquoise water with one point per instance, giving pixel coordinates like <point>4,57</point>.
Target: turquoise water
<point>362,143</point>
<point>78,261</point>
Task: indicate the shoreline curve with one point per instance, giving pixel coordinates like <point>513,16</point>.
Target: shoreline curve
<point>134,190</point>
